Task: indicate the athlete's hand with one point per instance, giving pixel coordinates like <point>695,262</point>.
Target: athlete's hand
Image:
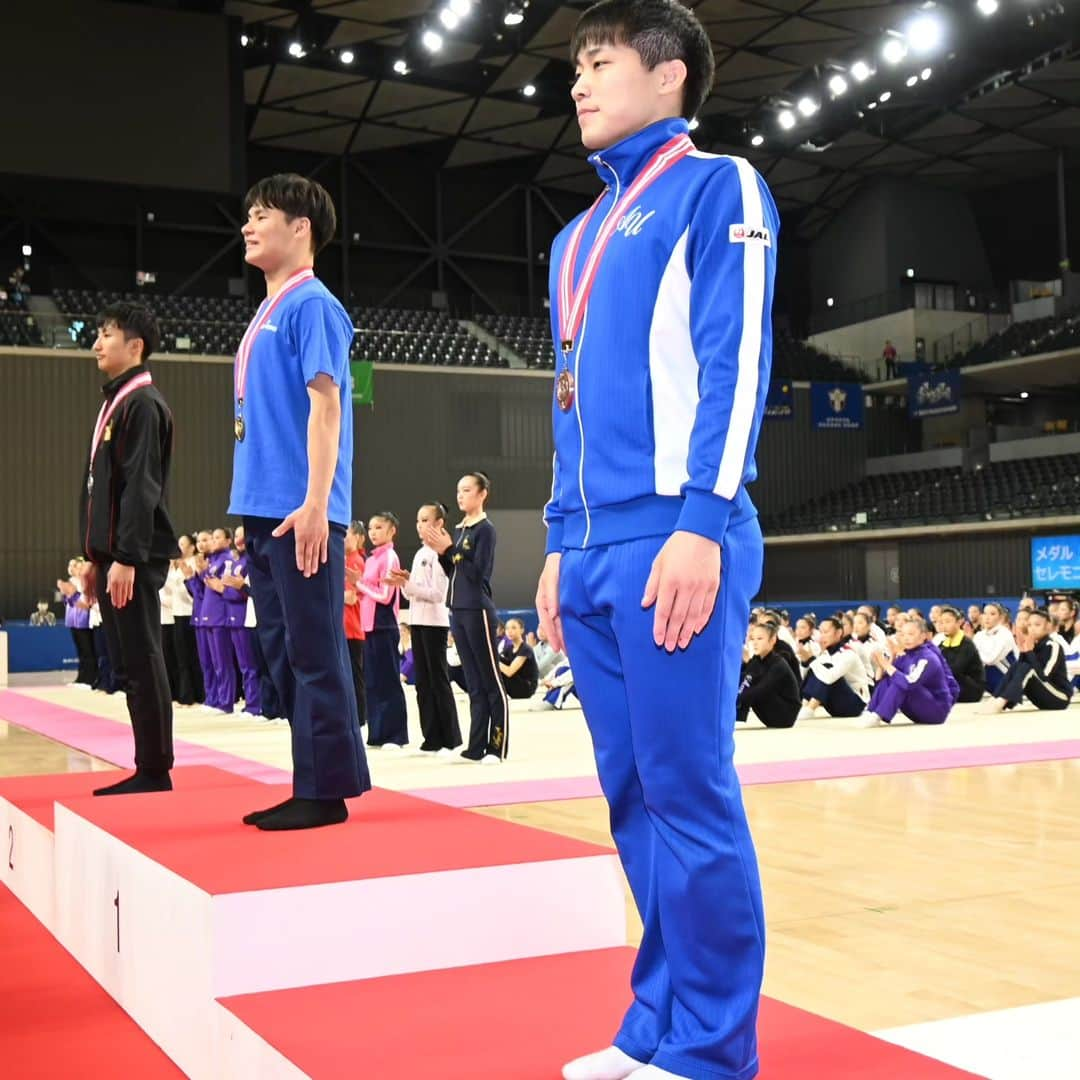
<point>438,539</point>
<point>547,602</point>
<point>397,578</point>
<point>121,584</point>
<point>683,584</point>
<point>311,528</point>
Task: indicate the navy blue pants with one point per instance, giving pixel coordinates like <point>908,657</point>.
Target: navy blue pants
<point>474,635</point>
<point>663,727</point>
<point>837,699</point>
<point>1024,680</point>
<point>302,634</point>
<point>386,712</point>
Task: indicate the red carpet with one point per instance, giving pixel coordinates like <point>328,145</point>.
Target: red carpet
<point>522,1020</point>
<point>198,835</point>
<point>56,1022</point>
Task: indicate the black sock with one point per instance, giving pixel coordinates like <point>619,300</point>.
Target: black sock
<point>143,780</point>
<point>255,815</point>
<point>304,814</point>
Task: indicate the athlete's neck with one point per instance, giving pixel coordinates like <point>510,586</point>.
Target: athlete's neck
<point>472,519</point>
<point>279,275</point>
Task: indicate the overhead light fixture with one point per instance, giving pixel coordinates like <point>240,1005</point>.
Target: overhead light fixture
<point>924,33</point>
<point>987,7</point>
<point>837,85</point>
<point>695,124</point>
<point>401,67</point>
<point>786,119</point>
<point>449,18</point>
<point>757,140</point>
<point>27,251</point>
<point>861,71</point>
<point>872,105</point>
<point>910,271</point>
<point>461,8</point>
<point>244,39</point>
<point>514,15</point>
<point>893,51</point>
<point>911,81</point>
<point>830,302</point>
<point>925,74</point>
<point>807,106</point>
<point>885,96</point>
<point>431,40</point>
<point>296,49</point>
<point>528,90</point>
<point>1023,395</point>
<point>348,56</point>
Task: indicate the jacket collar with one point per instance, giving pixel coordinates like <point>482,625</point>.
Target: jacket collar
<point>621,162</point>
<point>111,387</point>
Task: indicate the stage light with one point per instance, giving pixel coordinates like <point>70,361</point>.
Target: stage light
<point>911,81</point>
<point>924,33</point>
<point>514,16</point>
<point>837,85</point>
<point>807,106</point>
<point>910,271</point>
<point>925,74</point>
<point>348,56</point>
<point>861,71</point>
<point>885,96</point>
<point>893,51</point>
<point>431,41</point>
<point>786,119</point>
<point>1023,395</point>
<point>244,39</point>
<point>27,251</point>
<point>695,124</point>
<point>449,18</point>
<point>757,140</point>
<point>296,49</point>
<point>987,7</point>
<point>461,8</point>
<point>830,302</point>
<point>401,67</point>
<point>528,90</point>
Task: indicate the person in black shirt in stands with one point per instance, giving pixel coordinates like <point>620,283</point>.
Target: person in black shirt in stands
<point>468,557</point>
<point>768,684</point>
<point>517,663</point>
<point>961,655</point>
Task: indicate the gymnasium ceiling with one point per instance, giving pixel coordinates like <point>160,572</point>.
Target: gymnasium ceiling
<point>1002,100</point>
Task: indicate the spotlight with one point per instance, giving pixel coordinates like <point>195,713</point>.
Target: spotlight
<point>758,140</point>
<point>893,51</point>
<point>925,74</point>
<point>449,18</point>
<point>807,106</point>
<point>348,56</point>
<point>1023,395</point>
<point>244,39</point>
<point>872,105</point>
<point>911,81</point>
<point>401,67</point>
<point>910,271</point>
<point>924,33</point>
<point>528,90</point>
<point>27,251</point>
<point>514,16</point>
<point>431,40</point>
<point>837,85</point>
<point>461,8</point>
<point>695,124</point>
<point>296,49</point>
<point>786,119</point>
<point>830,302</point>
<point>987,7</point>
<point>861,71</point>
<point>885,96</point>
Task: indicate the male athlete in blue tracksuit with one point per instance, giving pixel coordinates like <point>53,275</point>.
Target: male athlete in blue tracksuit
<point>659,399</point>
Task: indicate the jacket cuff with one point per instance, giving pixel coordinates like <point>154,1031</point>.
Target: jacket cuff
<point>554,543</point>
<point>705,514</point>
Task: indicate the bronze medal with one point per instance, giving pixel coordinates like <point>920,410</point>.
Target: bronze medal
<point>238,428</point>
<point>564,390</point>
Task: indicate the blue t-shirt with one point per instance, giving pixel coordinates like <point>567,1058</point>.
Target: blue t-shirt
<point>309,334</point>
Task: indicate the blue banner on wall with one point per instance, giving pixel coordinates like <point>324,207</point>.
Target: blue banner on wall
<point>933,393</point>
<point>1055,562</point>
<point>836,406</point>
<point>780,403</point>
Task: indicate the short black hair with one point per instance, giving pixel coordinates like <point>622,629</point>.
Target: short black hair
<point>297,196</point>
<point>133,321</point>
<point>835,621</point>
<point>1043,614</point>
<point>657,30</point>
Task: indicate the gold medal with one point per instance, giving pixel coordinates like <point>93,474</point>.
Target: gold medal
<point>238,428</point>
<point>564,390</point>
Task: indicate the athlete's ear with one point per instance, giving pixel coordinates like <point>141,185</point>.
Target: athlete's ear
<point>672,76</point>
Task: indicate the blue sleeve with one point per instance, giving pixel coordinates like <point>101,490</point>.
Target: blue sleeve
<point>553,516</point>
<point>731,262</point>
<point>322,338</point>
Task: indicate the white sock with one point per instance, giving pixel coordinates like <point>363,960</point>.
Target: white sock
<point>868,719</point>
<point>609,1064</point>
<point>805,713</point>
<point>652,1072</point>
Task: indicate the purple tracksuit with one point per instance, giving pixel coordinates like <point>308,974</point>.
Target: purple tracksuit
<point>197,587</point>
<point>240,635</point>
<point>215,619</point>
<point>923,688</point>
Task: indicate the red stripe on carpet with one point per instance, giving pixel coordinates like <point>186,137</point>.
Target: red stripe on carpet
<point>522,1020</point>
<point>56,1022</point>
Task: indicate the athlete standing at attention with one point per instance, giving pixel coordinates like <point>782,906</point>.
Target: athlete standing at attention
<point>661,300</point>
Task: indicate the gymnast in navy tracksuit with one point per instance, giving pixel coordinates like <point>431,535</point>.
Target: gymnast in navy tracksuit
<point>661,298</point>
<point>468,559</point>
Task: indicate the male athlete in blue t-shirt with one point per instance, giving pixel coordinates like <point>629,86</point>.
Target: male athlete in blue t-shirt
<point>292,473</point>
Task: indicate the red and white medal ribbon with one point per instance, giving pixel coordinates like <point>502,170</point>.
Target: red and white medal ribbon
<point>262,317</point>
<point>572,302</point>
<point>105,414</point>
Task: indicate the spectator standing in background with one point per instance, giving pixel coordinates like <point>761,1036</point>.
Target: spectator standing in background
<point>354,628</point>
<point>188,689</point>
<point>42,616</point>
<point>888,355</point>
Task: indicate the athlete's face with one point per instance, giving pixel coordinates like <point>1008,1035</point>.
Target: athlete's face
<point>1038,627</point>
<point>990,617</point>
<point>515,630</point>
<point>910,634</point>
<point>186,546</point>
<point>426,515</point>
<point>470,498</point>
<point>615,94</point>
<point>239,539</point>
<point>204,542</point>
<point>380,531</point>
<point>761,641</point>
<point>272,241</point>
<point>947,624</point>
<point>831,634</point>
<point>220,541</point>
<point>113,354</point>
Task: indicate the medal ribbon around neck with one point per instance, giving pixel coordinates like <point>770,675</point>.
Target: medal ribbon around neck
<point>105,414</point>
<point>572,302</point>
<point>262,317</point>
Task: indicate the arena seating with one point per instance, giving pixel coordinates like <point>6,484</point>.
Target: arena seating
<point>1024,339</point>
<point>1004,489</point>
<point>18,328</point>
<point>529,337</point>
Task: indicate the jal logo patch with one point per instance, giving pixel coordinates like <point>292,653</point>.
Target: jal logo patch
<point>750,234</point>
